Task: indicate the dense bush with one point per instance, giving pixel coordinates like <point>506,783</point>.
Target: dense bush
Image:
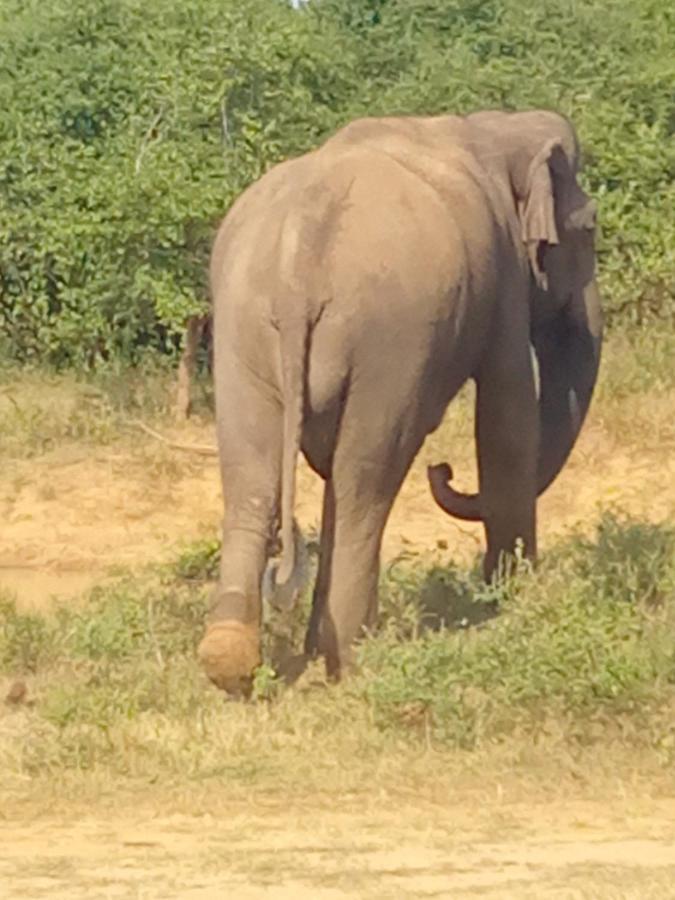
<point>131,128</point>
<point>128,128</point>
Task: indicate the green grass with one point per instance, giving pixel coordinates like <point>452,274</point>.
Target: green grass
<point>587,636</point>
<point>574,655</point>
<point>636,361</point>
<point>583,646</point>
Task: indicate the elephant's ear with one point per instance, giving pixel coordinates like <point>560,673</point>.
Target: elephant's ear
<point>537,209</point>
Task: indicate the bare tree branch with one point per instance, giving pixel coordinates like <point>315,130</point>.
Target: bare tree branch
<point>227,138</point>
<point>149,136</point>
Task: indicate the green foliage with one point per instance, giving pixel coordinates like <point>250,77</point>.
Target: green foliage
<point>128,128</point>
<point>25,639</point>
<point>120,623</point>
<point>629,562</point>
<point>133,126</point>
<point>199,561</point>
<point>265,683</point>
<point>587,633</point>
<point>610,66</point>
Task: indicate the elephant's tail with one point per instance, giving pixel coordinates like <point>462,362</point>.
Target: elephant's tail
<point>294,335</point>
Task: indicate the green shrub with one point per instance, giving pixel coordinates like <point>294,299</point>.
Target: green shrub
<point>128,129</point>
<point>606,64</point>
<point>26,639</point>
<point>199,561</point>
<point>589,631</point>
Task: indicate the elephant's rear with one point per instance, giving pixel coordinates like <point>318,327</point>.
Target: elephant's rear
<point>348,271</point>
<point>366,259</point>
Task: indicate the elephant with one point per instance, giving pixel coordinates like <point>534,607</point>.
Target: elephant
<point>355,289</point>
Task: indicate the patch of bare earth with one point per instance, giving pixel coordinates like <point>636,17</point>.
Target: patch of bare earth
<point>75,511</point>
<point>574,849</point>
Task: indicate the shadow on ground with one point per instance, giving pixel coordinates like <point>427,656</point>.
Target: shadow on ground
<point>430,600</point>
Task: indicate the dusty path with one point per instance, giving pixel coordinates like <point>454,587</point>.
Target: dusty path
<point>563,850</point>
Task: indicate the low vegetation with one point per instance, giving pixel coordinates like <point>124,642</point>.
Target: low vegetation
<point>41,410</point>
<point>580,649</point>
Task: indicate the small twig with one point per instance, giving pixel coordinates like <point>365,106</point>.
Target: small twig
<point>466,533</point>
<point>175,445</point>
<point>147,138</point>
<point>227,140</point>
<point>151,628</point>
<point>12,400</point>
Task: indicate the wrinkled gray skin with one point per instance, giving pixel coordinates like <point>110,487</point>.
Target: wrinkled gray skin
<point>355,290</point>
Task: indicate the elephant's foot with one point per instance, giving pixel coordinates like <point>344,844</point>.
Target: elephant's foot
<point>230,653</point>
<point>321,642</point>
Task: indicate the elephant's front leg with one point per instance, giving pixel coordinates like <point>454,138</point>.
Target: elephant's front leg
<point>507,435</point>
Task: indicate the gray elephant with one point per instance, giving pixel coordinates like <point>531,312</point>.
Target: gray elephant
<point>355,290</point>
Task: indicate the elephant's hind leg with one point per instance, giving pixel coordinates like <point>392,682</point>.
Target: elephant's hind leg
<point>368,469</point>
<point>249,437</point>
<point>322,584</point>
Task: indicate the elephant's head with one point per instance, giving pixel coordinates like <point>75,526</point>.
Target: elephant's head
<point>538,162</point>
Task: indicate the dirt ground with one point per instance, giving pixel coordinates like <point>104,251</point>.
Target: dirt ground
<point>70,514</point>
<point>580,849</point>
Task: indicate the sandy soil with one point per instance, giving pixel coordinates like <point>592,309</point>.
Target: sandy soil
<point>565,850</point>
<point>72,513</point>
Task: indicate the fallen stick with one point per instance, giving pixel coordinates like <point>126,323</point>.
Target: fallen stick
<point>175,445</point>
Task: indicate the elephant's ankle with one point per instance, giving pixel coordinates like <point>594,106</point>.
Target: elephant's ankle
<point>339,659</point>
<point>233,606</point>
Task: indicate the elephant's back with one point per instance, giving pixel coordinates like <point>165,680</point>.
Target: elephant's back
<point>360,243</point>
<point>395,238</point>
<point>345,217</point>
